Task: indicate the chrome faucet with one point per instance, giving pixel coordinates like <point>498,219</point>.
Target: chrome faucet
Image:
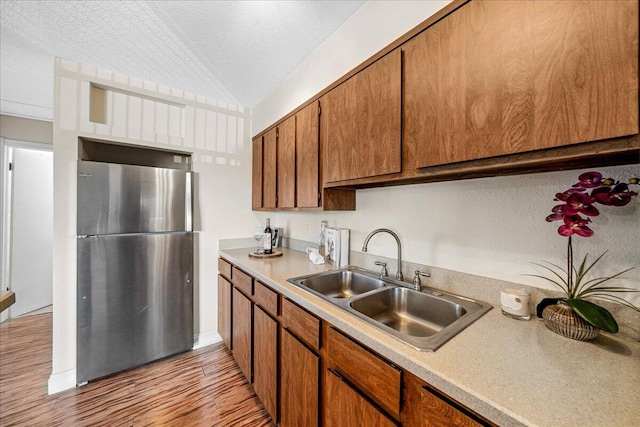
<point>395,236</point>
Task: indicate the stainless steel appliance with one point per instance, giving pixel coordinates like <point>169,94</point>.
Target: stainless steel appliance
<point>135,266</point>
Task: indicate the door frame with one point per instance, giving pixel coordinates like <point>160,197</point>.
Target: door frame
<point>6,155</point>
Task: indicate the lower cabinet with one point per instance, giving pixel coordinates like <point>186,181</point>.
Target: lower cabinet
<point>299,383</point>
<point>265,361</point>
<point>424,406</point>
<point>241,332</point>
<point>224,310</point>
<point>347,406</point>
<point>297,361</point>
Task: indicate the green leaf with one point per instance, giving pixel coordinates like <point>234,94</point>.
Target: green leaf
<point>594,314</point>
<point>564,289</point>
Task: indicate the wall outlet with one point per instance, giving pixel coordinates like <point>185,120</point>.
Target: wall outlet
<point>307,228</point>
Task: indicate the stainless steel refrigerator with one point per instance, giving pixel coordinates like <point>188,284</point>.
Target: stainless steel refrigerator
<point>135,266</point>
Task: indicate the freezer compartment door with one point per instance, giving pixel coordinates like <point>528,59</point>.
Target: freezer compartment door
<point>114,199</point>
<point>134,302</point>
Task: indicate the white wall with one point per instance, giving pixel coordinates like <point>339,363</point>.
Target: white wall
<point>146,114</point>
<point>493,227</point>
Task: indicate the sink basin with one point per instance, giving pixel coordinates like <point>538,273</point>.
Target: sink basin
<point>340,283</point>
<point>409,312</point>
<point>423,319</point>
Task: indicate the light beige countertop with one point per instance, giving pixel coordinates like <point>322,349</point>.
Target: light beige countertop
<point>511,372</point>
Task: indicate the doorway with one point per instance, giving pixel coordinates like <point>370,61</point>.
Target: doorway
<point>27,225</point>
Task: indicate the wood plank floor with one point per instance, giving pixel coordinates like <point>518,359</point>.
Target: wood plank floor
<point>198,388</point>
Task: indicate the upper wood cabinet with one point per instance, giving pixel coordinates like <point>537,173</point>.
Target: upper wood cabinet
<point>286,167</point>
<point>256,174</point>
<point>286,176</point>
<point>269,162</point>
<point>308,156</point>
<point>360,123</point>
<point>505,77</point>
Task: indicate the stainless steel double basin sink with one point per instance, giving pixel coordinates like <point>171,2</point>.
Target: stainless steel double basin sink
<point>424,319</point>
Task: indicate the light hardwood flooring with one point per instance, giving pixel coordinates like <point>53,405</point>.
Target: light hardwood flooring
<point>197,388</point>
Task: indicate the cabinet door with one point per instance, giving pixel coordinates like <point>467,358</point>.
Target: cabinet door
<point>224,310</point>
<point>241,336</point>
<point>269,162</point>
<point>307,157</point>
<point>504,77</point>
<point>437,412</point>
<point>256,176</point>
<point>265,363</point>
<point>287,163</point>
<point>361,123</point>
<point>299,383</point>
<point>347,407</point>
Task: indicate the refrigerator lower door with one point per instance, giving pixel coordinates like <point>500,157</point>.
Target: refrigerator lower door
<point>134,302</point>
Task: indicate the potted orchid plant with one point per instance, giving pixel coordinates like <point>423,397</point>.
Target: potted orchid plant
<point>573,316</point>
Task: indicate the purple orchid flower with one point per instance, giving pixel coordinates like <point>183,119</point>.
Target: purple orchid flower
<point>575,224</point>
<point>618,196</point>
<point>589,180</point>
<point>580,203</point>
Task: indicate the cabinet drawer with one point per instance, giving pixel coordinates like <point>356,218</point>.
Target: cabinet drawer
<point>265,298</point>
<point>224,268</point>
<point>377,378</point>
<point>302,323</point>
<point>242,281</point>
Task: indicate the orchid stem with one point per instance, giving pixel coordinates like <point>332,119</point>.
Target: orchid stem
<point>570,268</point>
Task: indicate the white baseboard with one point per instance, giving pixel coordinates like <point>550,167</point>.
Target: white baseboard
<point>203,340</point>
<point>61,381</point>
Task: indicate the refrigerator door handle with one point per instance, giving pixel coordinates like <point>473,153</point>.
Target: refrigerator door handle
<point>188,202</point>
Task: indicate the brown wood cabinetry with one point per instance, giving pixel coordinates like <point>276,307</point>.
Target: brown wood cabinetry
<point>308,157</point>
<point>299,383</point>
<point>224,267</point>
<point>242,281</point>
<point>241,332</point>
<point>302,323</point>
<point>487,88</point>
<point>256,173</point>
<point>424,406</point>
<point>286,167</point>
<point>286,175</point>
<point>265,362</point>
<point>224,310</point>
<point>347,407</point>
<point>375,377</point>
<point>361,123</point>
<point>293,359</point>
<point>265,298</point>
<point>269,169</point>
<point>498,78</point>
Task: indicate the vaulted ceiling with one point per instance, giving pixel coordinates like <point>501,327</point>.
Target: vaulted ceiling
<point>231,51</point>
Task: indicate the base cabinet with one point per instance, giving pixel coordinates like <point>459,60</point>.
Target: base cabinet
<point>347,406</point>
<point>224,310</point>
<point>241,332</point>
<point>265,362</point>
<point>296,361</point>
<point>300,383</point>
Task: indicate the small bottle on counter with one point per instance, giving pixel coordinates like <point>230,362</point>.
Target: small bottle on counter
<point>321,248</point>
<point>268,238</point>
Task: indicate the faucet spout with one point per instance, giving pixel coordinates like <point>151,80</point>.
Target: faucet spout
<point>395,236</point>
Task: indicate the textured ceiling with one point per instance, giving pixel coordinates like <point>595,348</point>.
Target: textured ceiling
<point>232,51</point>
